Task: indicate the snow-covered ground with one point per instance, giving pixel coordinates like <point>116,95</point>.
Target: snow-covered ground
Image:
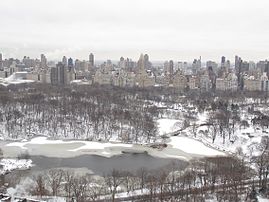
<point>192,146</point>
<point>14,164</point>
<point>260,199</point>
<point>166,126</point>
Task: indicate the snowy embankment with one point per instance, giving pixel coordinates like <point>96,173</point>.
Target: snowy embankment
<point>8,165</point>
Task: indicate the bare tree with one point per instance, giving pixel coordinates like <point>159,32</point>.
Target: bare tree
<point>39,186</point>
<point>55,179</point>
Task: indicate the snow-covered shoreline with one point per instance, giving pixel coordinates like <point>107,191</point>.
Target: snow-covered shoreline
<point>8,165</point>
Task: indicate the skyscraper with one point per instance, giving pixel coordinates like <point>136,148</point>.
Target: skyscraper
<point>147,63</point>
<point>64,61</point>
<point>62,73</point>
<point>54,76</point>
<point>171,67</point>
<point>237,62</point>
<point>70,63</point>
<point>43,61</point>
<point>91,60</point>
<point>223,60</point>
<point>141,63</point>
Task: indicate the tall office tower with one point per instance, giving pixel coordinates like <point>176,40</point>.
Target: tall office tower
<point>62,73</point>
<point>223,61</point>
<point>43,61</point>
<point>141,63</point>
<point>236,63</point>
<point>70,63</point>
<point>196,65</point>
<point>64,61</point>
<point>146,59</point>
<point>91,60</point>
<point>171,67</point>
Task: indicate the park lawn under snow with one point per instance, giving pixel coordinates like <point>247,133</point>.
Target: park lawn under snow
<point>166,126</point>
<point>192,146</point>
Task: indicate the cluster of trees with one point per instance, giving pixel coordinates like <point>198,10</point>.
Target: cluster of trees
<point>101,112</point>
<point>226,115</point>
<point>94,113</point>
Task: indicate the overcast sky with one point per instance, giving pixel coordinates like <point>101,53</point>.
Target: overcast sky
<point>165,29</point>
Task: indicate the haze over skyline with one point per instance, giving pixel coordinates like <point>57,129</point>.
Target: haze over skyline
<point>171,29</point>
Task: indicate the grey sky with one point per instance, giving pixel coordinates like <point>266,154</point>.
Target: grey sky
<point>165,29</point>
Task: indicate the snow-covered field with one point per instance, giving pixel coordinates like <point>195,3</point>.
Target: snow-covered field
<point>192,146</point>
<point>166,126</point>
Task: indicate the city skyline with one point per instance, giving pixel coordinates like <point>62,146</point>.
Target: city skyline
<point>174,29</point>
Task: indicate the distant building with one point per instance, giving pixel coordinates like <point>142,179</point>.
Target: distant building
<point>43,61</point>
<point>59,75</point>
<point>212,64</point>
<point>229,83</point>
<point>91,60</point>
<point>196,65</point>
<point>70,63</point>
<point>122,63</point>
<point>64,61</point>
<point>252,84</point>
<point>179,81</point>
<point>171,67</point>
<point>205,82</point>
<point>256,84</point>
<point>54,76</point>
<point>192,83</point>
<point>264,82</point>
<point>144,78</point>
